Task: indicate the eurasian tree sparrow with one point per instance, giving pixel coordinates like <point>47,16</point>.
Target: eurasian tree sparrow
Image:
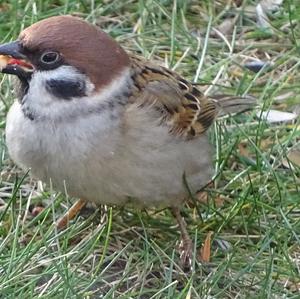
<point>108,126</point>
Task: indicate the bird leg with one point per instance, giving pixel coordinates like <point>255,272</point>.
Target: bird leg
<point>186,245</point>
<point>71,213</point>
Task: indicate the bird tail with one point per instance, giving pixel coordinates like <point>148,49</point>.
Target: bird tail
<point>234,104</point>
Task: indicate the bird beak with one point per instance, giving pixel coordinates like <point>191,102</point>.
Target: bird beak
<point>13,61</point>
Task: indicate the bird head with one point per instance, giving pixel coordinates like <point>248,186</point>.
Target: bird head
<point>63,57</point>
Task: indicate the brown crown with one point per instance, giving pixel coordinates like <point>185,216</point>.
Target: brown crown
<point>81,44</point>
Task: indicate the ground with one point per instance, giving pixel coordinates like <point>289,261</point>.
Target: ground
<point>251,210</point>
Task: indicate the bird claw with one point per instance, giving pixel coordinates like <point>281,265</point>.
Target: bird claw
<point>186,254</point>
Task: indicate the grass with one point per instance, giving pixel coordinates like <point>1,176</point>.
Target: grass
<point>252,208</point>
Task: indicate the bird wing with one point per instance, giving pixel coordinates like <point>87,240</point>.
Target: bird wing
<point>182,107</point>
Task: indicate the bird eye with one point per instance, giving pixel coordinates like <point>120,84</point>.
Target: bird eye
<point>49,57</point>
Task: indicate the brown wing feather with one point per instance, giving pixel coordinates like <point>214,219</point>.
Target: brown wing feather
<point>183,107</point>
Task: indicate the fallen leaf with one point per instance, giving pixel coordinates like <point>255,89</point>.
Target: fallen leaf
<point>37,210</point>
<point>243,149</point>
<point>219,201</point>
<point>274,116</point>
<point>266,143</point>
<point>270,5</point>
<point>205,251</point>
<point>263,8</point>
<point>227,26</point>
<point>262,18</point>
<point>294,156</point>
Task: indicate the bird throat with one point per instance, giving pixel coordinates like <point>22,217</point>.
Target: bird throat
<point>22,86</point>
<point>65,89</point>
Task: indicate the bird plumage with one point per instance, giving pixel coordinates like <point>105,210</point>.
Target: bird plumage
<point>129,133</point>
<point>104,125</point>
<point>183,107</point>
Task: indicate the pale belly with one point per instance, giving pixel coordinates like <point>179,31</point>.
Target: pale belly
<point>107,165</point>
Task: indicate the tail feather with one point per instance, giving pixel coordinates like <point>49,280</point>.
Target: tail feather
<point>234,104</point>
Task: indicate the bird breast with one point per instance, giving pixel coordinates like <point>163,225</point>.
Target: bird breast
<point>109,161</point>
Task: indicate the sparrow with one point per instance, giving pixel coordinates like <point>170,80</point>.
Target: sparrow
<point>104,125</point>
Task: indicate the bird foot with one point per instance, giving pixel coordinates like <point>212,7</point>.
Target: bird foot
<point>186,245</point>
<point>186,254</point>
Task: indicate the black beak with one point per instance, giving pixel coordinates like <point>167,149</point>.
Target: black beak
<point>12,49</point>
<point>13,61</point>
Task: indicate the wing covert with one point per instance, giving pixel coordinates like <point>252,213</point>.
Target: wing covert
<point>183,108</point>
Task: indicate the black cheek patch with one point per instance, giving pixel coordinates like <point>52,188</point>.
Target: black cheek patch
<point>66,89</point>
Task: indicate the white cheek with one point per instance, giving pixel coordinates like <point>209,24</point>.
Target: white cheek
<point>38,92</point>
<point>45,105</point>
